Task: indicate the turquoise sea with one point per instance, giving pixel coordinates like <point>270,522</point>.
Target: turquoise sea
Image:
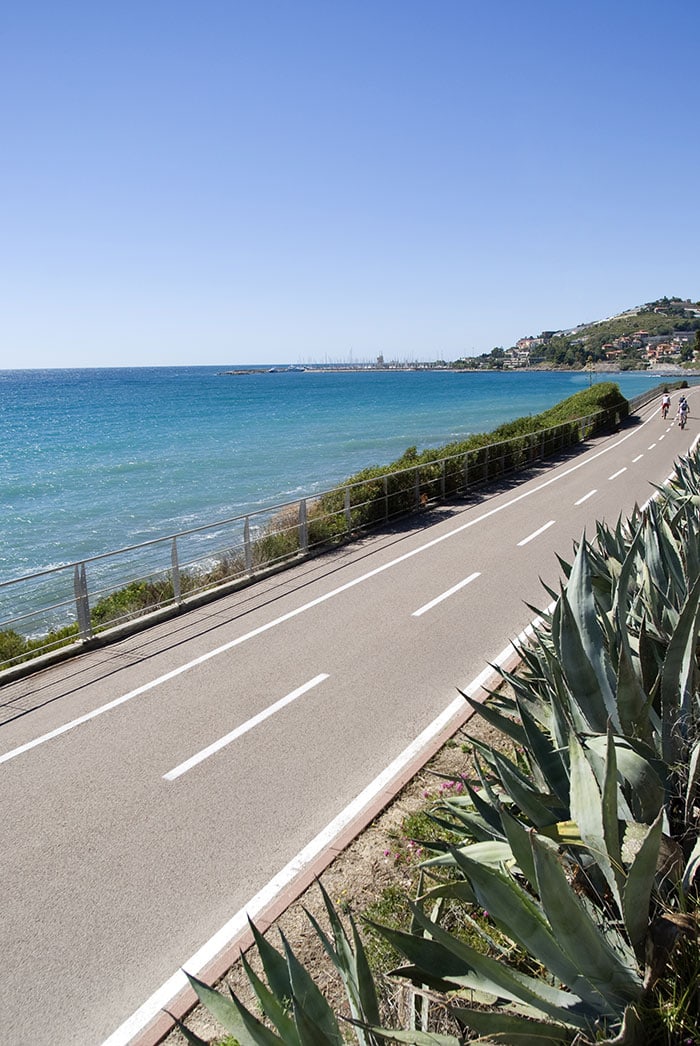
<point>93,460</point>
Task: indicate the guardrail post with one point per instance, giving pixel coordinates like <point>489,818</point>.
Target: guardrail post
<point>247,548</point>
<point>487,455</point>
<point>385,485</point>
<point>303,527</point>
<point>175,566</point>
<point>466,472</point>
<point>348,517</point>
<point>82,605</point>
<point>417,485</point>
<point>442,480</point>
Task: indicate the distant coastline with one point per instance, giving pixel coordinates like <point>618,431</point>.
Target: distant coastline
<point>424,368</point>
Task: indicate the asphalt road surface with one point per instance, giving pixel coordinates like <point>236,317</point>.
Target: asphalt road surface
<point>152,788</point>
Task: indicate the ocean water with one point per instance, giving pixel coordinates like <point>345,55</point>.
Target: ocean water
<point>94,460</point>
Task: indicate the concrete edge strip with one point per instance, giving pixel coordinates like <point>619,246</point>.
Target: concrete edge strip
<point>149,1025</point>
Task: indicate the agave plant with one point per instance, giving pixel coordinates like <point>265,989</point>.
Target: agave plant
<point>297,1012</point>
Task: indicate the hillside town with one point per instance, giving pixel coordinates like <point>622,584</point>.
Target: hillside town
<point>663,332</point>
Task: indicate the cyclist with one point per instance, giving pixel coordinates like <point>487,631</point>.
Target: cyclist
<point>665,404</point>
<point>682,411</point>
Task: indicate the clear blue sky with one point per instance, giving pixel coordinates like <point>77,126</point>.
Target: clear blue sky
<point>280,180</point>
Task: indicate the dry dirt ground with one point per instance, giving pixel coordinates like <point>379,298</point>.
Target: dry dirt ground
<point>378,858</point>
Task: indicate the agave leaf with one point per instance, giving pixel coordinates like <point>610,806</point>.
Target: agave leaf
<point>502,1026</point>
<point>456,891</point>
<point>351,964</point>
<point>310,1006</point>
<point>583,940</point>
<point>522,919</point>
<point>594,701</point>
<point>548,758</point>
<point>523,794</point>
<point>652,553</point>
<point>310,1033</point>
<point>632,701</point>
<point>366,987</point>
<point>594,809</point>
<point>519,838</point>
<point>233,1016</point>
<point>562,720</point>
<point>677,674</point>
<point>668,548</point>
<point>580,599</point>
<point>271,1006</point>
<point>274,965</point>
<point>488,811</point>
<point>641,780</point>
<point>494,718</point>
<point>693,778</point>
<point>692,551</point>
<point>469,823</point>
<point>189,1035</point>
<point>649,663</point>
<point>493,854</point>
<point>454,964</point>
<point>417,1038</point>
<point>636,893</point>
<point>692,867</point>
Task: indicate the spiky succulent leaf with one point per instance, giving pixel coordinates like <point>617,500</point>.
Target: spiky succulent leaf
<point>594,809</point>
<point>503,1026</point>
<point>636,894</point>
<point>693,779</point>
<point>494,854</point>
<point>692,868</point>
<point>187,1033</point>
<point>551,760</point>
<point>527,798</point>
<point>678,675</point>
<point>351,963</point>
<point>445,963</point>
<point>593,704</point>
<point>233,1016</point>
<point>274,965</point>
<point>311,1008</point>
<point>416,1038</point>
<point>581,602</point>
<point>607,968</point>
<point>518,915</point>
<point>505,724</point>
<point>642,787</point>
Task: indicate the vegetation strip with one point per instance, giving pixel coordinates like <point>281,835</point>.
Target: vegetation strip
<point>368,499</point>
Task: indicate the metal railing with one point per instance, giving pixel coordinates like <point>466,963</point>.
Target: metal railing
<point>103,596</point>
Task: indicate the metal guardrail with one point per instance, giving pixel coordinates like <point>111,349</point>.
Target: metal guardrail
<point>105,595</point>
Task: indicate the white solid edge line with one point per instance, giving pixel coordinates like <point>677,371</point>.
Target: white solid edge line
<point>237,923</point>
<point>536,533</point>
<point>249,724</point>
<point>586,496</point>
<point>446,595</point>
<point>14,752</point>
<point>618,473</point>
